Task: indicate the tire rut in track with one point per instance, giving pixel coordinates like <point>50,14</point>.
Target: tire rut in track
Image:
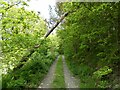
<point>49,77</point>
<point>70,81</point>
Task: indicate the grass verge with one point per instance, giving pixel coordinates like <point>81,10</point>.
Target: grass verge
<point>82,72</point>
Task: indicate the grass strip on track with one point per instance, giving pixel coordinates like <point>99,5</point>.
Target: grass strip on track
<point>58,81</point>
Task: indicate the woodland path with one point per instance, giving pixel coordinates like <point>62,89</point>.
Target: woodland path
<point>70,81</point>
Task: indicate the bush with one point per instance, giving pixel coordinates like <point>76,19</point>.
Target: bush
<point>37,65</point>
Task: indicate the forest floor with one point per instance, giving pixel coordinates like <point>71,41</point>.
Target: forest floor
<point>70,81</point>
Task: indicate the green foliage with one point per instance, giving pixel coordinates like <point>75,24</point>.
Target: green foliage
<point>90,40</point>
<point>102,71</point>
<point>38,65</point>
<point>19,34</point>
<point>99,74</point>
<point>21,30</point>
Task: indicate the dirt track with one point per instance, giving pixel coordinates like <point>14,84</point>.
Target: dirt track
<point>70,81</point>
<point>49,77</point>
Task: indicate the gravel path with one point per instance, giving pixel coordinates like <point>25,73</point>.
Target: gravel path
<point>70,81</point>
<point>49,77</point>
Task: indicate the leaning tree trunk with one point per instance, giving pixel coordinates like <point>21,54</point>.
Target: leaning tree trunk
<point>31,51</point>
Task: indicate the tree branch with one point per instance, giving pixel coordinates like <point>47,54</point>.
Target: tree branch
<point>12,6</point>
<point>48,33</point>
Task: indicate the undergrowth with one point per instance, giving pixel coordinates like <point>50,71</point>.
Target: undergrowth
<point>31,74</point>
<point>89,77</point>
